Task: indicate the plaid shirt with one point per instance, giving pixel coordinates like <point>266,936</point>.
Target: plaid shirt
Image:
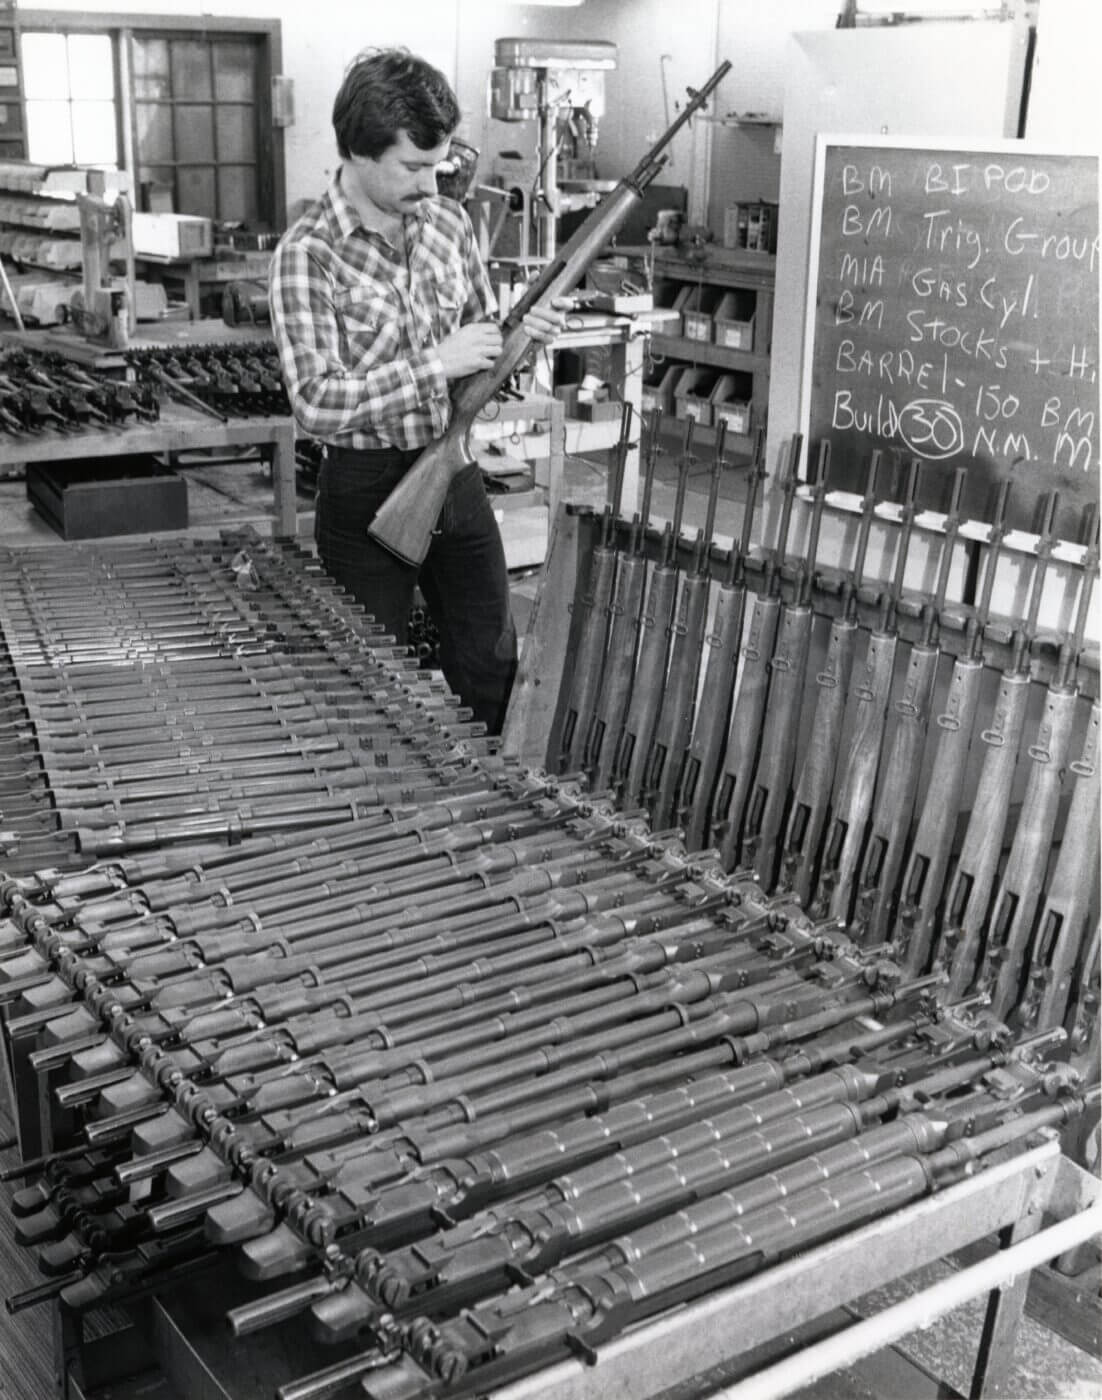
<point>356,323</point>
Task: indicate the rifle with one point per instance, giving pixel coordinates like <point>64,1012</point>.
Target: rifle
<point>655,626</point>
<point>603,742</point>
<point>787,673</point>
<point>811,802</point>
<point>970,892</point>
<point>675,719</point>
<point>717,690</point>
<point>897,781</point>
<point>406,519</point>
<point>596,612</point>
<point>928,864</point>
<point>1072,893</point>
<point>1020,889</point>
<point>870,696</point>
<point>749,706</point>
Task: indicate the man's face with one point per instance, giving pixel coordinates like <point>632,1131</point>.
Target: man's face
<point>397,182</point>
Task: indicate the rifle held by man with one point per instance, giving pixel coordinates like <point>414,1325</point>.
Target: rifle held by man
<point>406,519</point>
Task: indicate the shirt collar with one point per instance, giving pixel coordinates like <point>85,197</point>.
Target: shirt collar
<point>347,219</point>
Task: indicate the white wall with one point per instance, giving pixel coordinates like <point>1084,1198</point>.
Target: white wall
<point>321,36</point>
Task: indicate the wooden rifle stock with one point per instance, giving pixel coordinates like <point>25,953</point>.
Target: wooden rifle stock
<point>406,519</point>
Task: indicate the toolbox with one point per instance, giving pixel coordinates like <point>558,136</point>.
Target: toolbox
<point>123,495</point>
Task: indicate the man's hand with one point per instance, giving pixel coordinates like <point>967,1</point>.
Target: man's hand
<point>546,319</point>
<point>471,348</point>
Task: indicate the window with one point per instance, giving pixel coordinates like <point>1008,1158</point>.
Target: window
<point>69,90</point>
<point>197,122</point>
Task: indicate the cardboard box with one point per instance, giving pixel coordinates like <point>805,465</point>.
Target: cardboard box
<point>172,236</point>
<point>734,320</point>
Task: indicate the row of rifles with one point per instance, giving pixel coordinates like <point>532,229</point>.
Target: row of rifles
<point>687,695</point>
<point>468,1070</point>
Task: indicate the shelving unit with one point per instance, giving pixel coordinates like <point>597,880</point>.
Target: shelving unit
<point>40,221</point>
<point>705,278</point>
<point>13,130</point>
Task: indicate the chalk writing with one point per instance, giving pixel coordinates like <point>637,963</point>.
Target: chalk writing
<point>957,311</point>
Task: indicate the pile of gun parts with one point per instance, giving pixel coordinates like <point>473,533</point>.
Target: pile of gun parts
<point>469,1067</point>
<point>44,391</point>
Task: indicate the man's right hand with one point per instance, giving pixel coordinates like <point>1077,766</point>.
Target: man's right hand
<point>471,348</point>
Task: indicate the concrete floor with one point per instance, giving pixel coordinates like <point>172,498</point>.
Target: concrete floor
<point>1046,1367</point>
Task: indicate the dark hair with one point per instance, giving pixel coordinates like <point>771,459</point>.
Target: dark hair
<point>386,91</point>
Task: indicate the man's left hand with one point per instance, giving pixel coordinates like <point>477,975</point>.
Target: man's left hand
<point>546,320</point>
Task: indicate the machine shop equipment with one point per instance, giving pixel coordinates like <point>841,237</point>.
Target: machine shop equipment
<point>560,86</point>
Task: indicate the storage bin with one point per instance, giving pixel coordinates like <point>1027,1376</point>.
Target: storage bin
<point>692,394</point>
<point>658,386</point>
<point>730,402</point>
<point>698,311</point>
<point>734,320</point>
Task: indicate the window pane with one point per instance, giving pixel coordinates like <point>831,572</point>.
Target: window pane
<point>190,68</point>
<point>49,133</point>
<point>94,140</point>
<point>237,193</point>
<point>45,69</point>
<point>234,71</point>
<point>151,77</point>
<point>236,133</point>
<point>194,132</point>
<point>91,66</point>
<point>154,123</point>
<point>195,191</point>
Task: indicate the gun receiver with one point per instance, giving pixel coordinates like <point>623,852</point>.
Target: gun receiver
<point>897,782</point>
<point>672,732</point>
<point>717,690</point>
<point>811,801</point>
<point>406,519</point>
<point>596,606</point>
<point>787,673</point>
<point>749,707</point>
<point>1019,893</point>
<point>655,633</point>
<point>603,745</point>
<point>853,802</point>
<point>973,883</point>
<point>928,864</point>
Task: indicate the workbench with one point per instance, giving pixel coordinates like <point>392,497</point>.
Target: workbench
<point>179,429</point>
<point>744,1331</point>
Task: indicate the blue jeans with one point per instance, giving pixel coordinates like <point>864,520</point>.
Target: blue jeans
<point>463,577</point>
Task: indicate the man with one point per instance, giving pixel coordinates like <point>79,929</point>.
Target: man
<point>379,302</point>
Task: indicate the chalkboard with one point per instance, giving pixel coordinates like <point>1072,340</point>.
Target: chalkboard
<point>956,320</point>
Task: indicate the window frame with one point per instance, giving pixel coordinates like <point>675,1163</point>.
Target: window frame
<point>271,176</point>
